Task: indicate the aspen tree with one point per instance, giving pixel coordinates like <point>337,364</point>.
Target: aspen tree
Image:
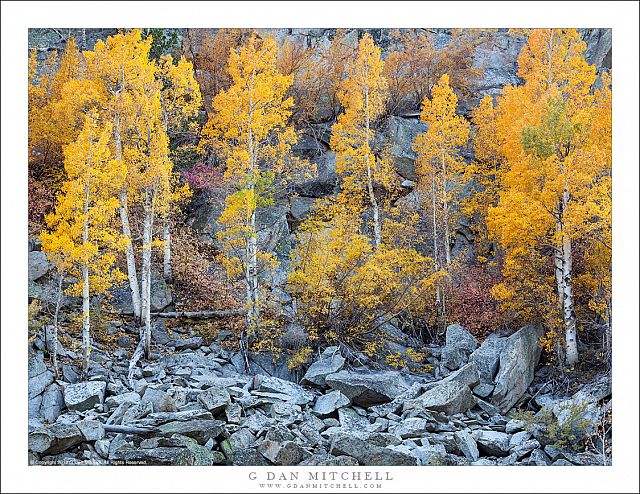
<point>181,99</point>
<point>442,168</point>
<point>555,161</point>
<point>250,131</point>
<point>121,67</point>
<point>362,96</point>
<point>82,240</point>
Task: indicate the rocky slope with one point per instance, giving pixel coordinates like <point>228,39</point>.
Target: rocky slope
<point>194,405</point>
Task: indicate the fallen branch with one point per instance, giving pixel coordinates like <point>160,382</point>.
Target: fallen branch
<point>137,355</point>
<point>127,429</point>
<point>213,314</point>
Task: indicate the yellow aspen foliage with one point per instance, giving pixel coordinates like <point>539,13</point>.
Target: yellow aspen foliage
<point>82,241</point>
<point>362,95</point>
<point>484,172</point>
<point>55,118</point>
<point>550,132</point>
<point>180,94</point>
<point>439,160</point>
<point>250,131</point>
<point>345,289</point>
<point>144,101</point>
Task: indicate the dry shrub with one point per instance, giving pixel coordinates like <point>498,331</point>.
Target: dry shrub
<point>199,281</point>
<point>471,303</point>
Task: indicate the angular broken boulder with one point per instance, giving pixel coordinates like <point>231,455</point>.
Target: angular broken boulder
<point>85,395</point>
<point>448,397</point>
<point>518,361</point>
<point>367,388</point>
<point>459,345</point>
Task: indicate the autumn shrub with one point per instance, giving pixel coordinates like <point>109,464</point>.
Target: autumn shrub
<point>198,278</point>
<point>569,433</point>
<point>346,291</point>
<point>471,303</point>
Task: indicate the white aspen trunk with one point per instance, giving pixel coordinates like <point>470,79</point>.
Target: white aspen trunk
<point>54,336</point>
<point>251,277</point>
<point>377,233</point>
<point>166,237</point>
<point>435,239</point>
<point>569,314</point>
<point>126,229</point>
<point>557,258</point>
<point>147,239</point>
<point>131,259</point>
<point>447,246</point>
<point>558,271</point>
<point>86,337</point>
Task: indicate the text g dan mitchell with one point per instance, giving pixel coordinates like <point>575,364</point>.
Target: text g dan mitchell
<point>321,476</point>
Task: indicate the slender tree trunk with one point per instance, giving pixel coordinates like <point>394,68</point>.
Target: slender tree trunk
<point>166,237</point>
<point>447,246</point>
<point>54,336</point>
<point>147,239</point>
<point>435,247</point>
<point>126,229</point>
<point>560,353</point>
<point>86,337</point>
<point>377,233</point>
<point>569,314</point>
<point>131,259</point>
<point>252,276</point>
<point>565,285</point>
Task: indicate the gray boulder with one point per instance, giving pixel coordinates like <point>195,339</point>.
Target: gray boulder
<point>156,456</point>
<point>319,370</point>
<point>487,357</point>
<point>411,427</point>
<point>161,296</point>
<point>55,439</point>
<point>467,445</point>
<point>38,265</point>
<point>493,443</point>
<point>368,454</point>
<point>368,388</point>
<point>91,430</point>
<point>273,230</point>
<point>215,399</point>
<point>397,403</point>
<point>85,395</point>
<point>160,400</point>
<point>115,400</point>
<point>518,361</point>
<point>39,376</point>
<point>329,403</point>
<point>291,392</point>
<point>300,207</point>
<point>466,375</point>
<point>200,430</point>
<point>52,404</point>
<point>401,132</point>
<point>450,398</point>
<point>287,453</point>
<point>322,460</point>
<point>459,345</point>
<point>192,343</point>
